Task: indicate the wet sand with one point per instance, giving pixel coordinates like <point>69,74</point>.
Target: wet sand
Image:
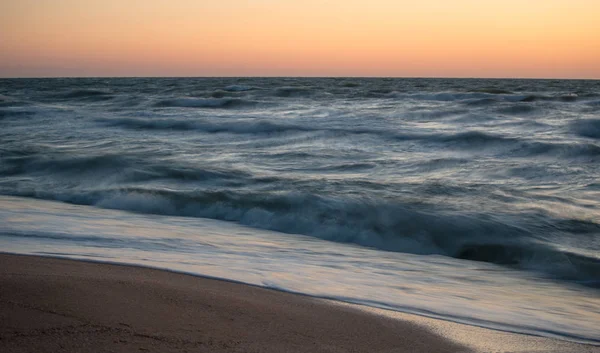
<point>56,305</point>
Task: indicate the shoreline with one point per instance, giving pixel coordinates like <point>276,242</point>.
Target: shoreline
<point>53,304</point>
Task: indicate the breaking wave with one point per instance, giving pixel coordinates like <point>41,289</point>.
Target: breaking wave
<point>385,225</point>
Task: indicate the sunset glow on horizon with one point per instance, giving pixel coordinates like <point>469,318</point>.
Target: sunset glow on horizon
<point>427,38</point>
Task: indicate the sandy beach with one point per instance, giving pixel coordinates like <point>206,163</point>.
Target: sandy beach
<point>56,305</point>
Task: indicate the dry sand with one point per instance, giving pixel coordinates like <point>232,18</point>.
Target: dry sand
<point>54,305</point>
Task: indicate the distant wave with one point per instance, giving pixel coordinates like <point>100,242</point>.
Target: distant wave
<point>379,93</point>
<point>243,127</point>
<point>517,146</point>
<point>559,98</point>
<point>473,138</point>
<point>224,94</point>
<point>37,162</point>
<point>147,124</point>
<point>594,103</point>
<point>294,92</point>
<point>343,167</point>
<point>447,96</point>
<point>481,97</point>
<point>118,167</point>
<point>464,140</point>
<point>247,96</point>
<point>491,90</point>
<point>350,84</point>
<point>481,102</point>
<point>517,109</point>
<point>238,88</point>
<point>8,102</point>
<point>15,113</point>
<point>236,127</point>
<point>85,94</point>
<point>214,103</point>
<point>570,150</point>
<point>587,128</point>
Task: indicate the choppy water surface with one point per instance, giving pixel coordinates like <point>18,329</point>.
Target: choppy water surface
<point>441,189</point>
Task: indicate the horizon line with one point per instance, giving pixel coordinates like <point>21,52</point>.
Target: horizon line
<point>308,77</point>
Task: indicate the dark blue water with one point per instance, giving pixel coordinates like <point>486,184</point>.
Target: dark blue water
<point>502,172</point>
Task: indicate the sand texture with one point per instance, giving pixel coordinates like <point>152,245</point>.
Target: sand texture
<point>55,305</point>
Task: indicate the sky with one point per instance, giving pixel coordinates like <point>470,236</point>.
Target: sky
<point>390,38</point>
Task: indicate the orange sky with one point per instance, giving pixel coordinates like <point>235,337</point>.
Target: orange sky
<point>423,38</point>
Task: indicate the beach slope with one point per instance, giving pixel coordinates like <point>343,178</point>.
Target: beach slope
<point>57,305</point>
<point>54,305</point>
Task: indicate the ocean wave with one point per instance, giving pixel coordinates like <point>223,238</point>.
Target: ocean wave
<point>484,97</point>
<point>350,84</point>
<point>214,103</point>
<point>14,113</point>
<point>470,98</point>
<point>261,126</point>
<point>293,92</point>
<point>594,103</point>
<point>149,124</point>
<point>8,102</point>
<point>447,96</point>
<point>258,126</point>
<point>517,147</point>
<point>238,88</point>
<point>116,168</point>
<point>570,150</point>
<point>473,139</point>
<point>38,162</point>
<point>542,258</point>
<point>429,114</point>
<point>255,126</point>
<point>343,167</point>
<point>85,94</point>
<point>586,128</point>
<point>517,109</point>
<point>558,98</point>
<point>236,127</point>
<point>481,102</point>
<point>223,94</point>
<point>491,90</point>
<point>376,223</point>
<point>379,93</point>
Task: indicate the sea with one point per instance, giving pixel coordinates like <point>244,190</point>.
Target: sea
<point>470,200</point>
